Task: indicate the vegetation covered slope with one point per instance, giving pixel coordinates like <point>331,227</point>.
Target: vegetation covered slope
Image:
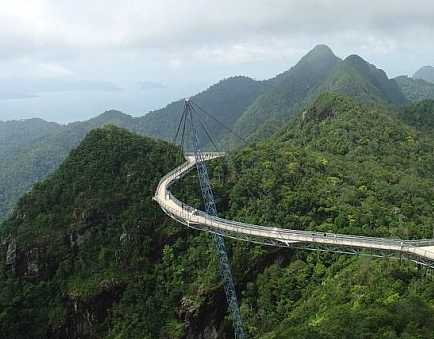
<point>86,237</point>
<point>363,82</point>
<point>288,91</point>
<point>340,167</point>
<point>31,152</point>
<point>96,258</point>
<point>27,159</point>
<point>226,100</point>
<point>14,134</point>
<point>345,168</point>
<point>415,89</point>
<point>255,109</point>
<point>420,115</point>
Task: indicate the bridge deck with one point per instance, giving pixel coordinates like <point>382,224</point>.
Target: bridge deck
<point>420,251</point>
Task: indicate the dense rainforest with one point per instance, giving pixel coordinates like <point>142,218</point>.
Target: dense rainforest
<point>88,254</point>
<point>254,109</point>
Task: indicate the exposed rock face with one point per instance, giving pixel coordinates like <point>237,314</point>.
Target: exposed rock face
<point>83,317</point>
<point>207,320</point>
<point>319,114</point>
<point>22,262</point>
<point>11,254</point>
<point>32,263</point>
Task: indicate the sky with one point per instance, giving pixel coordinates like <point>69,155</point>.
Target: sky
<point>64,60</point>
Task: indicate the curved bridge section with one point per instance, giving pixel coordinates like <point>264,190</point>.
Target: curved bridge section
<point>419,251</point>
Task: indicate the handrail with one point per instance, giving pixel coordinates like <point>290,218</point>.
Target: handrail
<point>191,216</point>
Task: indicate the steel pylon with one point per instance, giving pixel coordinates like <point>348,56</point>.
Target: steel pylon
<point>211,209</point>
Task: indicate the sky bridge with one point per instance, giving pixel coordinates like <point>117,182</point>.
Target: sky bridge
<point>418,251</point>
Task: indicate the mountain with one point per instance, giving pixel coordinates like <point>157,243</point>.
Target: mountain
<point>362,81</point>
<point>37,148</point>
<point>415,89</point>
<point>348,168</point>
<point>254,109</point>
<point>288,91</point>
<point>425,73</point>
<point>318,72</point>
<point>87,239</point>
<point>226,100</point>
<point>39,155</point>
<point>14,134</point>
<point>87,254</point>
<point>341,166</point>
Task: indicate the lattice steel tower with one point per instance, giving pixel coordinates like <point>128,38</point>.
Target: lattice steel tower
<point>210,208</point>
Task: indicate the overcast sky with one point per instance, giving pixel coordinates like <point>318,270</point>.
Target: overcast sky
<point>65,60</point>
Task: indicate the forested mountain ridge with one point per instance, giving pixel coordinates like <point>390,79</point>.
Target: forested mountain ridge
<point>34,158</point>
<point>287,91</point>
<point>30,158</point>
<point>342,167</point>
<point>318,72</point>
<point>88,254</point>
<point>362,81</point>
<point>67,249</point>
<point>14,134</point>
<point>254,109</point>
<point>226,100</point>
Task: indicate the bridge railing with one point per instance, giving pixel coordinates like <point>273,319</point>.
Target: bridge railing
<point>189,213</point>
<point>278,233</point>
<point>421,242</point>
<point>206,155</point>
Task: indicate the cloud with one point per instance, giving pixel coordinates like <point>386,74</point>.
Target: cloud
<point>98,36</point>
<point>30,88</point>
<point>11,95</point>
<point>190,42</point>
<point>170,25</point>
<point>148,85</point>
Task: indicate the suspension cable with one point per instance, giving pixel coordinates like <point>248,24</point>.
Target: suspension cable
<point>219,122</point>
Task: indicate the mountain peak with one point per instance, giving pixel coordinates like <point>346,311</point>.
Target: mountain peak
<point>110,116</point>
<point>319,56</point>
<point>320,51</point>
<point>425,73</point>
<point>355,59</point>
<point>374,81</point>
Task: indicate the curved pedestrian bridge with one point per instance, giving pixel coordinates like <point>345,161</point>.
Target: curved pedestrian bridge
<point>419,251</point>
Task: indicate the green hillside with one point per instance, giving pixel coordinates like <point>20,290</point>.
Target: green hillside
<point>288,91</point>
<point>420,115</point>
<point>226,100</point>
<point>14,134</point>
<point>85,236</point>
<point>95,257</point>
<point>362,81</point>
<point>33,153</point>
<point>339,167</point>
<point>254,109</point>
